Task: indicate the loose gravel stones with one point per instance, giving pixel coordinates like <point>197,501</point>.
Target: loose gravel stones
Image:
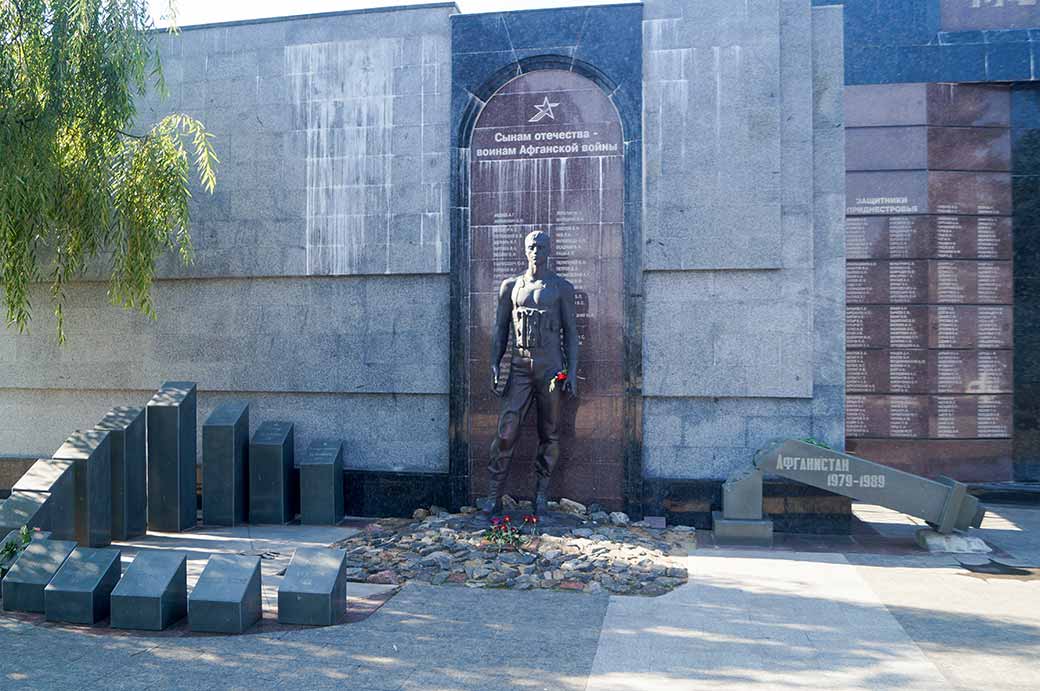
<point>608,555</point>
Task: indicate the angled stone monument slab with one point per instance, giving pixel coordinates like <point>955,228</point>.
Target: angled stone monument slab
<point>91,454</point>
<point>25,508</point>
<point>321,483</point>
<point>54,477</point>
<point>944,503</point>
<point>226,598</point>
<point>271,488</point>
<point>225,465</point>
<point>24,584</point>
<point>171,423</point>
<point>314,590</point>
<point>126,428</point>
<point>153,593</point>
<point>81,590</point>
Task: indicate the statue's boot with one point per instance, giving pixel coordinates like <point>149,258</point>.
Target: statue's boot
<point>493,504</point>
<point>541,496</point>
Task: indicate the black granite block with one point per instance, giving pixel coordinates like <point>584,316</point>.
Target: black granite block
<point>171,422</point>
<point>81,590</point>
<point>225,465</point>
<point>29,509</point>
<point>91,453</point>
<point>24,583</point>
<point>314,590</point>
<point>226,598</point>
<point>55,478</point>
<point>126,428</point>
<point>321,483</point>
<point>272,491</point>
<point>153,593</point>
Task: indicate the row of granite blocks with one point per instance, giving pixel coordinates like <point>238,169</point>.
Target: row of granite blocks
<point>85,585</point>
<point>136,471</point>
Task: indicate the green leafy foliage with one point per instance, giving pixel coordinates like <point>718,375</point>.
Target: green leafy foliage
<point>13,547</point>
<point>76,184</point>
<point>816,442</point>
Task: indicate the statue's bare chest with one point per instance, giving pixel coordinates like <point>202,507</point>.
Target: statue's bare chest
<point>538,294</point>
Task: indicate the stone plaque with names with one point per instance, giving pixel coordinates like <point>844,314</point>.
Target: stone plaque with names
<point>547,153</point>
<point>929,273</point>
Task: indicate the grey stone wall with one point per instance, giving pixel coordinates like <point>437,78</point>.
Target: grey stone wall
<point>319,292</point>
<point>744,281</point>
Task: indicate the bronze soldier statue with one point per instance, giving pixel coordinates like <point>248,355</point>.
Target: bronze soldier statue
<point>539,306</point>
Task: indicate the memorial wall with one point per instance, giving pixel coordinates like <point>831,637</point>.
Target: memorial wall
<point>962,396</point>
<point>928,279</point>
<point>379,170</point>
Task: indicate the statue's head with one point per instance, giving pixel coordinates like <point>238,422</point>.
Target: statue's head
<point>536,247</point>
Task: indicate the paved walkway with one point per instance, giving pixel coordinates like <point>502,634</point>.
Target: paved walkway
<point>747,620</point>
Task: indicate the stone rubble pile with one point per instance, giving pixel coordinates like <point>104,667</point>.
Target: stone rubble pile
<point>599,552</point>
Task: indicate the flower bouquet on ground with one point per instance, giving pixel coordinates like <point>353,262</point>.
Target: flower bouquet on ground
<point>503,534</point>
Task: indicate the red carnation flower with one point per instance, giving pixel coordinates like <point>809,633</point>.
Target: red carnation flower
<point>561,375</point>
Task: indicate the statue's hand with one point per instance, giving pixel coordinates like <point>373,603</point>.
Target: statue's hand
<point>571,386</point>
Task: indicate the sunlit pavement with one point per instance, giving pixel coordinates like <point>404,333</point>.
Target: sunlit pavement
<point>747,619</point>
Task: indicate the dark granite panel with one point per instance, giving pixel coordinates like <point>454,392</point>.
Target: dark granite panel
<point>969,148</point>
<point>81,590</point>
<point>866,326</point>
<point>24,584</point>
<point>1025,108</point>
<point>921,237</point>
<point>126,427</point>
<point>616,26</point>
<point>964,62</point>
<point>225,465</point>
<point>970,326</point>
<point>1025,99</point>
<point>545,28</point>
<point>29,509</point>
<point>314,590</point>
<point>153,593</point>
<point>1008,61</point>
<point>273,492</point>
<point>603,54</point>
<point>227,596</point>
<point>91,453</point>
<point>378,493</point>
<point>321,483</point>
<point>477,33</point>
<point>55,478</point>
<point>968,105</point>
<point>171,421</point>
